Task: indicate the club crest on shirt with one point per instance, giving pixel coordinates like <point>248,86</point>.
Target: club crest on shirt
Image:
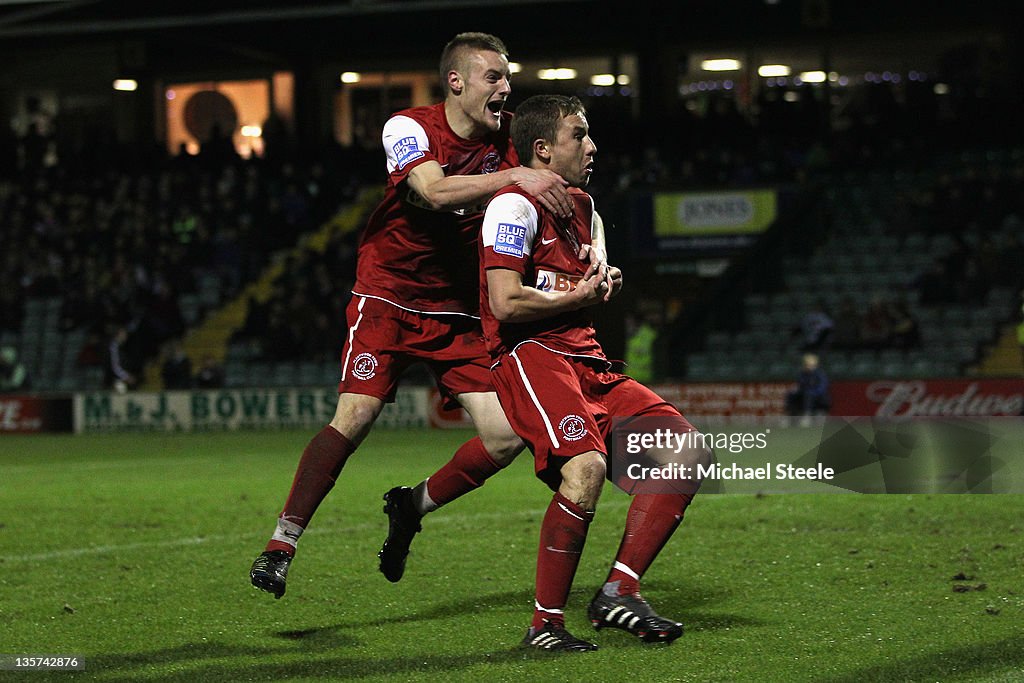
<point>550,281</point>
<point>490,163</point>
<point>364,366</point>
<point>510,239</point>
<point>406,150</point>
<point>573,428</point>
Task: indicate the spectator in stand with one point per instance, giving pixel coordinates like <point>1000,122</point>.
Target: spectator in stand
<point>210,374</point>
<point>935,286</point>
<point>118,377</point>
<point>177,368</point>
<point>257,321</point>
<point>815,328</point>
<point>974,284</point>
<point>13,376</point>
<point>1012,255</point>
<point>12,306</point>
<point>1020,333</point>
<point>905,331</point>
<point>641,334</point>
<point>847,325</point>
<point>811,395</point>
<point>876,327</point>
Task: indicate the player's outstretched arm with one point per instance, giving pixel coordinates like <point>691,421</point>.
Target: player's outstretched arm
<point>447,193</point>
<point>512,302</point>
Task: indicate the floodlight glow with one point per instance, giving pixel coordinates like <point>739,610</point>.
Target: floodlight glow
<point>773,70</point>
<point>351,77</point>
<point>720,65</point>
<point>514,67</point>
<point>602,79</point>
<point>559,74</point>
<point>813,76</point>
<point>126,84</point>
<point>252,131</point>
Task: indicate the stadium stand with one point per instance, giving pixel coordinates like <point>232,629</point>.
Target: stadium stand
<point>893,259</point>
<point>155,246</point>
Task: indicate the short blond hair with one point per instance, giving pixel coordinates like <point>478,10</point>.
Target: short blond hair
<point>455,51</point>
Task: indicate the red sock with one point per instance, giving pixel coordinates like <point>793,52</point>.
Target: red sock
<point>319,467</point>
<point>650,522</point>
<point>468,469</point>
<point>562,535</point>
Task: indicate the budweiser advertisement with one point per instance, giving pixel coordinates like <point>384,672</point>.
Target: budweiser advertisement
<point>929,398</point>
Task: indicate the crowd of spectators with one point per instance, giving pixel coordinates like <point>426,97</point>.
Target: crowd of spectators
<point>303,317</point>
<point>882,324</point>
<point>120,242</point>
<point>121,236</point>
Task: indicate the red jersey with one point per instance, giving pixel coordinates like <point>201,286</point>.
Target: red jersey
<point>521,235</point>
<point>409,255</point>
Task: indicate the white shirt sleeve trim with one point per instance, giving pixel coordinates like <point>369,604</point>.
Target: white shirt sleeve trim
<point>510,209</point>
<point>404,141</point>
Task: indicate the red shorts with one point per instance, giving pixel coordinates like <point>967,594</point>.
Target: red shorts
<point>384,340</point>
<point>562,406</point>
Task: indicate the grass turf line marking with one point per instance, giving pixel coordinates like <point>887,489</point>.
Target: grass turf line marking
<point>200,540</point>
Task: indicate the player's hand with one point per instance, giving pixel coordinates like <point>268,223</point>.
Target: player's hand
<point>594,287</point>
<point>599,260</point>
<point>615,280</point>
<point>547,187</point>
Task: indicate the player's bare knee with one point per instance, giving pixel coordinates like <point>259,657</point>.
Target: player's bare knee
<point>583,478</point>
<point>503,448</point>
<point>698,455</point>
<point>355,415</point>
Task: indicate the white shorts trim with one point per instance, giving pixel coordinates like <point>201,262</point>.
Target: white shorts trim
<point>351,338</point>
<point>560,353</point>
<point>414,310</point>
<point>536,402</point>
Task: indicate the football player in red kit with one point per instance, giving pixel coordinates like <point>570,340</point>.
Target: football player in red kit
<point>416,298</point>
<point>555,383</point>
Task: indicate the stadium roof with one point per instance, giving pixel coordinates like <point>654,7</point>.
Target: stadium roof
<point>31,18</point>
<point>25,18</point>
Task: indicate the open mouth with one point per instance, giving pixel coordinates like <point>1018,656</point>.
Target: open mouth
<point>495,106</point>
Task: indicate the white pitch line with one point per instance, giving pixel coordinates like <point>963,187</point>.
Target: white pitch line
<point>201,540</point>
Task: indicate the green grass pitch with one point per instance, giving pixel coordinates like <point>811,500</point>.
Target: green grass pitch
<point>132,551</point>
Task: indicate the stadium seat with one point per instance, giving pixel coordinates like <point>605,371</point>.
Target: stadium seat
<point>284,374</point>
<point>798,281</point>
<point>759,319</point>
<point>755,300</point>
<point>864,366</point>
<point>719,340</point>
<point>780,369</point>
<point>836,364</point>
<point>190,308</point>
<point>697,367</point>
<point>1001,298</point>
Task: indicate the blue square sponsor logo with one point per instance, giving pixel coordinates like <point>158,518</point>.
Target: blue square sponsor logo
<point>406,150</point>
<point>510,240</point>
